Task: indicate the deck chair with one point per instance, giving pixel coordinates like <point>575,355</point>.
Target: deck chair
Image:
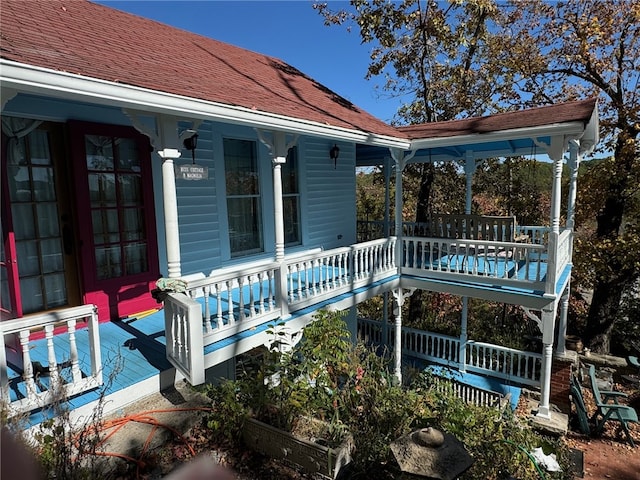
<point>578,401</point>
<point>606,411</point>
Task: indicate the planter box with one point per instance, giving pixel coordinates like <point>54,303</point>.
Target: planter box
<point>311,457</point>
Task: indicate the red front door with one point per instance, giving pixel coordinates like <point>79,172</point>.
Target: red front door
<point>119,256</point>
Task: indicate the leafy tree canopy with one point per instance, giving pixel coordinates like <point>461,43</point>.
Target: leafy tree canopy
<point>467,58</point>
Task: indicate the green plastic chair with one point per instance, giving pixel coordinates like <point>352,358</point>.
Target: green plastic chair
<point>611,411</point>
<point>581,411</point>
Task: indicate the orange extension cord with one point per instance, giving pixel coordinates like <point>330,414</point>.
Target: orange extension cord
<point>143,417</point>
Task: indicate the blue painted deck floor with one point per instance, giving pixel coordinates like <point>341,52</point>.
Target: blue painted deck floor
<point>132,350</point>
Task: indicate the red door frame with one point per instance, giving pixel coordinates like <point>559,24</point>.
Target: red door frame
<point>10,262</point>
<point>121,296</point>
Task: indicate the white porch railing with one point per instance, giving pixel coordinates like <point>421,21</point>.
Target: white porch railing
<point>470,393</point>
<point>227,303</point>
<point>224,304</point>
<point>502,362</point>
<point>63,375</point>
<point>484,358</point>
<point>516,262</point>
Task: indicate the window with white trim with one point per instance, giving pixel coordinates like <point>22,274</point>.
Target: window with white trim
<point>291,199</point>
<point>242,181</point>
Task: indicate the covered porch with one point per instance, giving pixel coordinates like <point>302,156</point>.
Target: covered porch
<point>215,318</point>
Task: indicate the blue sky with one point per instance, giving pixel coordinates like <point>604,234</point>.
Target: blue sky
<point>290,30</point>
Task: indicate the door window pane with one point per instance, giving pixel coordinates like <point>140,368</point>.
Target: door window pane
<point>136,257</point>
<point>132,224</point>
<point>55,287</point>
<point>51,251</point>
<point>48,225</point>
<point>108,262</point>
<point>24,224</point>
<point>128,158</point>
<point>39,153</point>
<point>99,152</point>
<point>32,299</point>
<point>115,189</point>
<point>28,259</point>
<point>130,190</point>
<point>102,189</point>
<point>44,186</point>
<point>105,226</point>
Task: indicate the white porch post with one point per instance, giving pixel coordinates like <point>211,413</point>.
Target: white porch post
<point>400,160</point>
<point>562,325</point>
<point>574,164</point>
<point>279,153</point>
<point>387,200</point>
<point>399,297</point>
<point>462,353</point>
<point>278,147</point>
<point>469,170</point>
<point>169,137</point>
<point>548,318</point>
<point>555,153</point>
<point>172,234</point>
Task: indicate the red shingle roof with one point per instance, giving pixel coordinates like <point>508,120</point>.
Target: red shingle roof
<point>80,37</point>
<point>96,41</point>
<point>579,111</point>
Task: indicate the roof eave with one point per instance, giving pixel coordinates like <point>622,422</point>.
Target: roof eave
<point>43,81</point>
<point>573,129</point>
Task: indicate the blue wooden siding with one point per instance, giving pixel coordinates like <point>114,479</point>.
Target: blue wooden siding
<point>330,209</point>
<point>198,209</point>
<point>327,195</point>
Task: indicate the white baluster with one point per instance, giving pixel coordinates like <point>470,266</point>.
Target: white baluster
<point>27,373</point>
<point>270,276</point>
<point>300,290</point>
<point>231,317</point>
<point>73,351</point>
<point>315,268</point>
<point>252,311</point>
<point>308,267</point>
<point>219,319</point>
<point>241,314</point>
<point>261,276</point>
<point>54,375</point>
<point>207,309</point>
<point>291,284</point>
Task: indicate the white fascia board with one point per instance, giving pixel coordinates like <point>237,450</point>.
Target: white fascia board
<point>555,129</point>
<point>43,81</point>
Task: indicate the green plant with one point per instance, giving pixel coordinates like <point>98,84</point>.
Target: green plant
<point>353,390</point>
<point>63,447</point>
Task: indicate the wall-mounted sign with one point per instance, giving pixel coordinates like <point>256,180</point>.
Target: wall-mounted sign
<point>192,172</point>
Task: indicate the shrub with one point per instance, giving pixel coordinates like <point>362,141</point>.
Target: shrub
<point>352,388</point>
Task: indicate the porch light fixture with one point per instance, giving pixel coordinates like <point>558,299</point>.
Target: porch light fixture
<point>190,143</point>
<point>333,154</point>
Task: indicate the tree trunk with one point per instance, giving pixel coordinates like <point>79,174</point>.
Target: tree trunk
<point>602,316</point>
<point>608,289</point>
<point>427,177</point>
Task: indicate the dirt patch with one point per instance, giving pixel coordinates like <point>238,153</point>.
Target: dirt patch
<point>607,459</point>
<point>610,456</point>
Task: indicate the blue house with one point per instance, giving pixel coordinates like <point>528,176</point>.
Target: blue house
<point>145,164</point>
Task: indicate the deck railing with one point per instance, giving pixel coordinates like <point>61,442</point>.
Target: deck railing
<point>54,375</point>
<point>501,362</point>
<point>227,303</point>
<point>234,301</point>
<point>513,261</point>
